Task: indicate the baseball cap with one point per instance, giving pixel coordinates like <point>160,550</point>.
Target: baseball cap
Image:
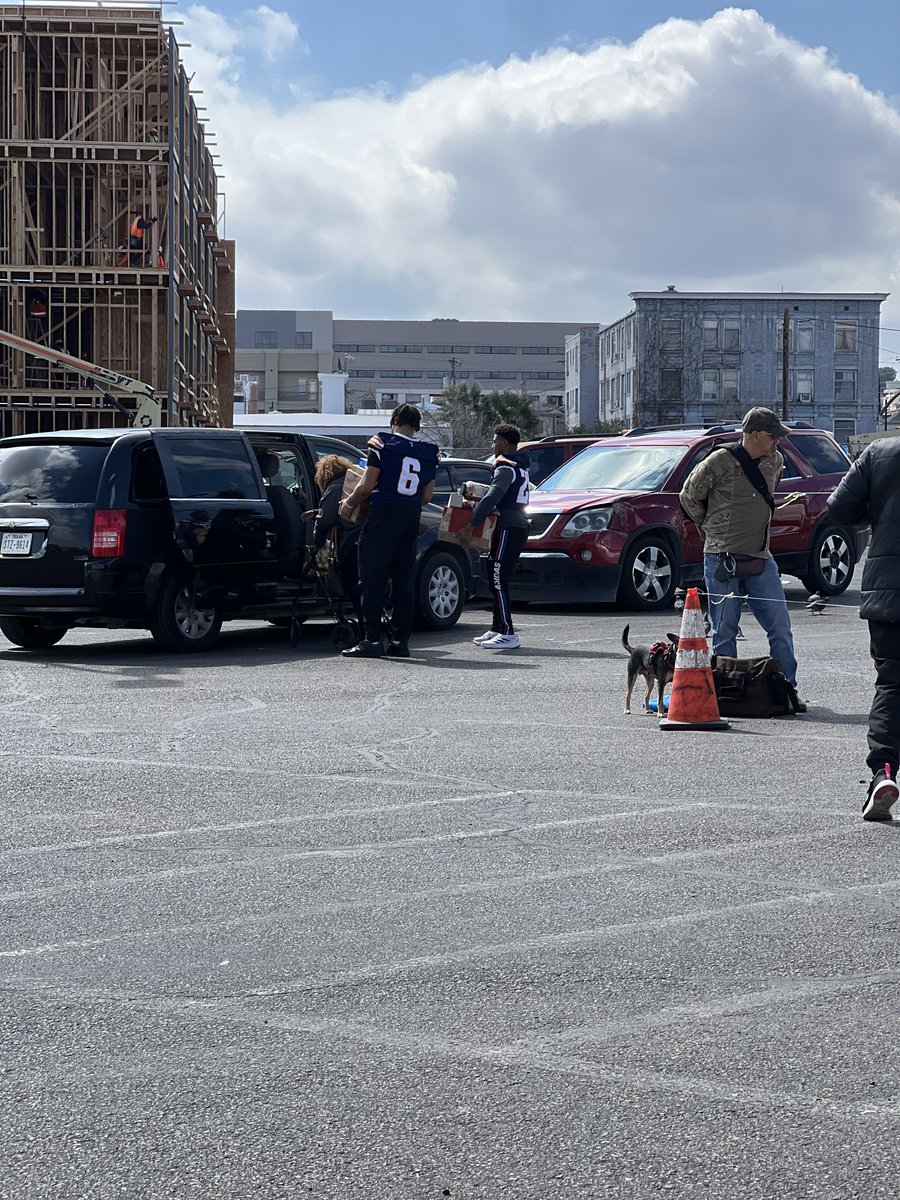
<point>765,421</point>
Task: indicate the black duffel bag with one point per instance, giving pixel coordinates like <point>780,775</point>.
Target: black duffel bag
<point>753,687</point>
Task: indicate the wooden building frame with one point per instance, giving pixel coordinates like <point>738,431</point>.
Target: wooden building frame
<point>99,129</point>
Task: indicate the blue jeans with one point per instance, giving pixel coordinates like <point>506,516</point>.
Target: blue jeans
<point>765,595</point>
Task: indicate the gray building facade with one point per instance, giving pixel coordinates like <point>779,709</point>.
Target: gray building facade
<point>582,402</point>
<point>388,362</point>
<point>709,356</point>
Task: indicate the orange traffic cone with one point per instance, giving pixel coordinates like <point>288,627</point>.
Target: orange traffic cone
<point>693,703</point>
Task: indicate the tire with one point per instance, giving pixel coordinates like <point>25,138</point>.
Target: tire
<point>832,559</point>
<point>178,624</point>
<point>345,635</point>
<point>649,575</point>
<point>30,633</point>
<point>440,591</point>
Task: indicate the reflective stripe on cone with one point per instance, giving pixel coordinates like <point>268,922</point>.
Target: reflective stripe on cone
<point>693,703</point>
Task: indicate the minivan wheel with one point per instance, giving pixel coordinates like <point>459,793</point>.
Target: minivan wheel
<point>30,633</point>
<point>832,558</point>
<point>180,623</point>
<point>440,591</point>
<point>649,576</point>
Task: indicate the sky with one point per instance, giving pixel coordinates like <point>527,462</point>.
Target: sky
<point>527,160</point>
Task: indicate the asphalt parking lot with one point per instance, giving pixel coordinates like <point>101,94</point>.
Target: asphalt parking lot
<point>276,924</point>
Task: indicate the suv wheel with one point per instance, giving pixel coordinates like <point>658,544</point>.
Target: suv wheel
<point>179,623</point>
<point>440,591</point>
<point>649,575</point>
<point>832,558</point>
<point>30,633</point>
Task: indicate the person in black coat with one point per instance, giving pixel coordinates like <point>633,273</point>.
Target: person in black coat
<point>869,494</point>
<point>330,472</point>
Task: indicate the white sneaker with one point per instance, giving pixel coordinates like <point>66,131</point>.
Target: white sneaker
<point>485,637</point>
<point>503,641</point>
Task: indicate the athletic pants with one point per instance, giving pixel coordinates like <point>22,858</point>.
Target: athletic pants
<point>884,716</point>
<point>387,554</point>
<point>506,546</point>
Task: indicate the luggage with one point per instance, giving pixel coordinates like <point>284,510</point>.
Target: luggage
<point>753,688</point>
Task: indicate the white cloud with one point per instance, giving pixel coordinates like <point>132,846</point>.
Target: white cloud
<point>713,155</point>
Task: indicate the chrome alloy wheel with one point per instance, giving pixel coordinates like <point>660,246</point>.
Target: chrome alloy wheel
<point>835,559</point>
<point>651,572</point>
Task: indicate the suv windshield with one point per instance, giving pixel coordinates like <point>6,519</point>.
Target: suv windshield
<point>617,468</point>
<point>54,472</point>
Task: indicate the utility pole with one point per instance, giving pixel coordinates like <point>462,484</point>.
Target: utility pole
<point>454,363</point>
<point>785,364</point>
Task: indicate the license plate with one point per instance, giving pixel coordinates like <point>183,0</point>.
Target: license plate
<point>16,543</point>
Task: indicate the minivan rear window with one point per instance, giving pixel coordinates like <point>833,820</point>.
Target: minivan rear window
<point>51,472</point>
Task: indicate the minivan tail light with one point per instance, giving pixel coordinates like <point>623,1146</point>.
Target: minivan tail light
<point>108,540</point>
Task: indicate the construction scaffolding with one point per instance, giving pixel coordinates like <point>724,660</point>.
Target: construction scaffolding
<point>110,245</point>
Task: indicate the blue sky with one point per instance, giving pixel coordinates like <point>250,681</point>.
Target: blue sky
<point>517,161</point>
<point>359,43</point>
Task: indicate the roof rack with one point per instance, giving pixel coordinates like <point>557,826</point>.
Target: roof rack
<point>698,427</point>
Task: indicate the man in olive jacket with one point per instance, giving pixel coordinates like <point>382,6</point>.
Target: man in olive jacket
<point>869,494</point>
<point>728,496</point>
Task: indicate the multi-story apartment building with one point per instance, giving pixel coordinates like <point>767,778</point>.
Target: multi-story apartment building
<point>387,362</point>
<point>708,356</point>
<point>109,229</point>
<point>582,402</point>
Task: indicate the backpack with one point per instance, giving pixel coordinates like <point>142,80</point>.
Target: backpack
<point>753,687</point>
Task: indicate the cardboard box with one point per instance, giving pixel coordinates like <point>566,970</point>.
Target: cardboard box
<point>475,491</point>
<point>351,479</point>
<point>453,521</point>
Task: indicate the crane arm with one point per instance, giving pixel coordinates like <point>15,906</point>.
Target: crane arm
<point>99,375</point>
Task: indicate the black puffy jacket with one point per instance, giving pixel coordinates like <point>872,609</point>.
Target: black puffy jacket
<point>869,494</point>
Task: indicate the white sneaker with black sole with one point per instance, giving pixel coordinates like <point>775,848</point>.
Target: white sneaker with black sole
<point>502,641</point>
<point>485,637</point>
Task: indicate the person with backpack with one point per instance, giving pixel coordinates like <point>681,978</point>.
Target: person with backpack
<point>398,480</point>
<point>869,494</point>
<point>729,497</point>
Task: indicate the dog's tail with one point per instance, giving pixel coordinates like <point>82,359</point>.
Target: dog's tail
<point>625,639</point>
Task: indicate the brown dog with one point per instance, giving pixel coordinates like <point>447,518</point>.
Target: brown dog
<point>655,664</point>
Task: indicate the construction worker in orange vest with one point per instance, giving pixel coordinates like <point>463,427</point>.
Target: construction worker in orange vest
<point>136,238</point>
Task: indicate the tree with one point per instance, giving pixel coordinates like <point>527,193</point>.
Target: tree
<point>472,415</point>
<point>886,375</point>
<point>511,408</point>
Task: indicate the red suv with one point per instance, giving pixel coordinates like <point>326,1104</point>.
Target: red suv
<point>607,526</point>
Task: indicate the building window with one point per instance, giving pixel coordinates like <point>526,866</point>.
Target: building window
<point>845,387</point>
<point>731,339</point>
<point>806,336</point>
<point>400,374</point>
<point>845,336</point>
<point>304,341</point>
<point>496,349</point>
<point>628,335</point>
<point>670,328</point>
<point>400,349</point>
<point>710,333</point>
<point>628,376</point>
<point>731,389</point>
<point>265,339</point>
<point>361,374</point>
<point>352,348</point>
<point>803,387</point>
<point>448,349</point>
<point>542,350</point>
<point>670,384</point>
<point>710,394</point>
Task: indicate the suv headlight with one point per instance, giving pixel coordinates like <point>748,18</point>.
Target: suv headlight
<point>591,520</point>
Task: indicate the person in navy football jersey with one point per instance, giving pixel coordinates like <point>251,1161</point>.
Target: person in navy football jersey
<point>398,480</point>
<point>508,497</point>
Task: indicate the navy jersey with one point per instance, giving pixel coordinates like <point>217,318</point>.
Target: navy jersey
<point>407,466</point>
<point>508,493</point>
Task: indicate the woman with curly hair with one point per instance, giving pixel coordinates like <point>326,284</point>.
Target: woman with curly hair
<point>330,472</point>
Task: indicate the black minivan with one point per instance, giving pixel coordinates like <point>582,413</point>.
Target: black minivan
<point>175,530</point>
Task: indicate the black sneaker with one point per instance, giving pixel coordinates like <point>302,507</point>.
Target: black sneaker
<point>882,794</point>
<point>397,650</point>
<point>364,649</point>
